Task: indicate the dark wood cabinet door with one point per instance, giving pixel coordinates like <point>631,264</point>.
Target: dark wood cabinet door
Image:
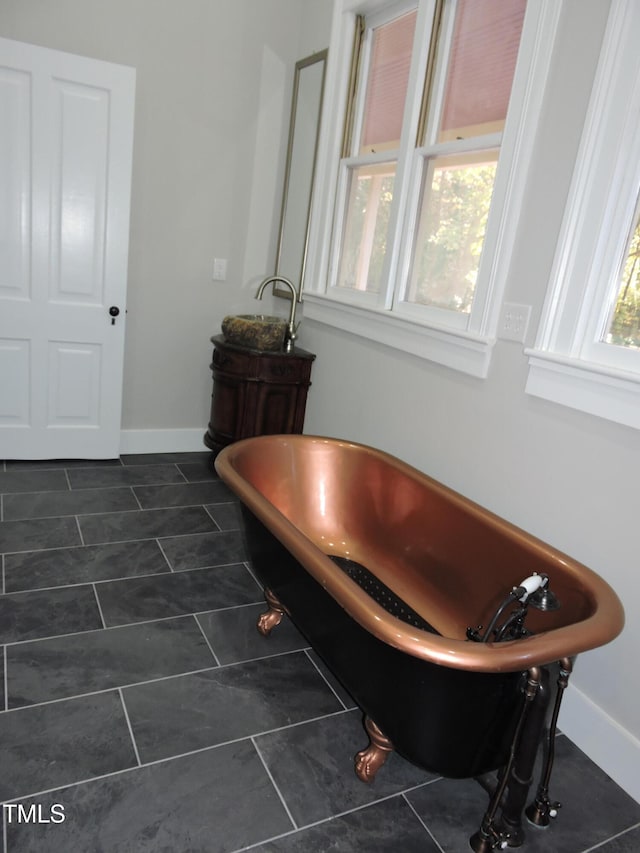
<point>256,393</point>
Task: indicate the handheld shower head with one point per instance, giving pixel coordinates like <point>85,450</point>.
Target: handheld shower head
<point>535,591</point>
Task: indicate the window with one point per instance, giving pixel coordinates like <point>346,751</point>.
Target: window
<point>369,173</point>
<point>419,180</point>
<point>587,354</point>
<point>457,160</point>
<point>623,322</point>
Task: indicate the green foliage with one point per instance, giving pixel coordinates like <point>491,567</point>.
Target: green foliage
<point>451,233</point>
<point>624,328</point>
<point>454,219</point>
<point>369,207</point>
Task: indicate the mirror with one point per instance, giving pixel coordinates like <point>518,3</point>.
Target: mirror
<point>304,127</point>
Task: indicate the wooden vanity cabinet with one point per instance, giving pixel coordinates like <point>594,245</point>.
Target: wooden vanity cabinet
<point>256,393</point>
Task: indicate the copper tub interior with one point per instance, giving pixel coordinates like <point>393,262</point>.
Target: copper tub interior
<point>450,559</point>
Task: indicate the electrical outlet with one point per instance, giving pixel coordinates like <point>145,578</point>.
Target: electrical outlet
<point>219,269</point>
<point>514,321</point>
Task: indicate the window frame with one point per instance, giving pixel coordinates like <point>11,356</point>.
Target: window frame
<point>379,15</point>
<point>466,349</point>
<point>471,322</point>
<point>567,365</point>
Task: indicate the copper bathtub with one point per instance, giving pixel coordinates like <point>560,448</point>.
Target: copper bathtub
<point>430,568</point>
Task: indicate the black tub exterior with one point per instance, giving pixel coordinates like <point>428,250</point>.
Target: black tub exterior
<point>451,722</point>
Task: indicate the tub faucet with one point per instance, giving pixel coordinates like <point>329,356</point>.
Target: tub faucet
<point>532,591</point>
<point>291,332</point>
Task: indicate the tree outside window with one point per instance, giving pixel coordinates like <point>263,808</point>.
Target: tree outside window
<point>623,328</point>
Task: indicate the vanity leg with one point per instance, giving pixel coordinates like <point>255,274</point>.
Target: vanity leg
<point>268,621</point>
<point>368,761</point>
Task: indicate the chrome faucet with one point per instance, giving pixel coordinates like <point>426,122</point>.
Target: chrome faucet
<point>291,332</point>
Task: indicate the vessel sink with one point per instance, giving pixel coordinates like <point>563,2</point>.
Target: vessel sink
<point>255,331</point>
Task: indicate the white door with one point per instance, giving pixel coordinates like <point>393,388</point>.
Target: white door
<point>66,138</point>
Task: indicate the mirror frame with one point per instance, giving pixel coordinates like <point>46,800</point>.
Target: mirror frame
<point>301,64</point>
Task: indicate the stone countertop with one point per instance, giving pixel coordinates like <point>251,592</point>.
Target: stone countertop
<point>296,352</point>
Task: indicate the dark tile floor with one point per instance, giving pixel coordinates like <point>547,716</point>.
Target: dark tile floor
<point>140,701</point>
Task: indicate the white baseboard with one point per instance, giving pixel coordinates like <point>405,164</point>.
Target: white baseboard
<point>162,440</point>
<point>610,746</point>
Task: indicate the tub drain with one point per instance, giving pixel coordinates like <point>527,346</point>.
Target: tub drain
<point>381,593</point>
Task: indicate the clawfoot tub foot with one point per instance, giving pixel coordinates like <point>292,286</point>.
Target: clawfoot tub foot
<point>268,621</point>
<point>368,761</point>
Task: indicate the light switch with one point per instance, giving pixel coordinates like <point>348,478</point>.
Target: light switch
<point>219,269</point>
<point>514,322</point>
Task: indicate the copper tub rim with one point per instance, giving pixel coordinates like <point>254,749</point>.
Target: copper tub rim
<point>600,627</point>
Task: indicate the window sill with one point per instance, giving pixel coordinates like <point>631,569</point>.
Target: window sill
<point>602,391</point>
<point>459,350</point>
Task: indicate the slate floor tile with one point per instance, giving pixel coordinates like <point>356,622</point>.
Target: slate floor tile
<point>134,475</point>
<point>83,564</point>
<point>628,842</point>
<point>204,549</point>
<point>137,599</point>
<point>45,613</point>
<point>34,534</point>
<point>28,480</point>
<point>55,744</point>
<point>198,471</point>
<point>185,494</point>
<point>185,651</point>
<point>177,715</point>
<point>452,809</point>
<point>593,807</point>
<point>386,827</point>
<point>99,660</point>
<point>52,504</point>
<point>216,801</point>
<point>226,515</point>
<point>234,637</point>
<point>317,780</point>
<point>160,458</point>
<point>144,524</point>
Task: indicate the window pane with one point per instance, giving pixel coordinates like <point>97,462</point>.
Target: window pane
<point>481,66</point>
<point>623,327</point>
<point>387,84</point>
<point>365,233</point>
<point>455,204</point>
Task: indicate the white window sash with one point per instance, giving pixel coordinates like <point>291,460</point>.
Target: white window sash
<point>622,221</point>
<point>374,20</point>
<point>439,82</point>
<point>424,313</point>
<point>382,300</point>
<point>569,364</point>
<point>348,166</point>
